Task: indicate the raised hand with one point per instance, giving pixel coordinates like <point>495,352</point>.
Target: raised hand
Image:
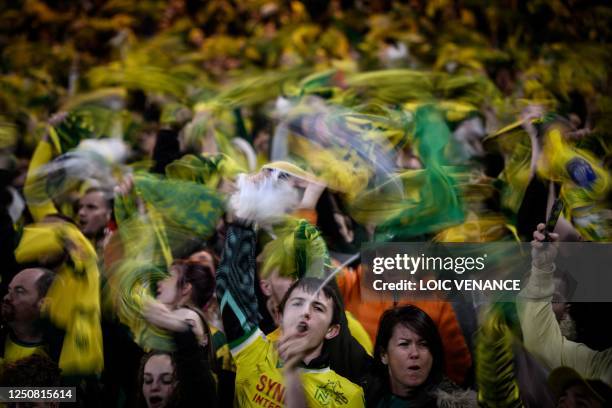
<point>543,253</point>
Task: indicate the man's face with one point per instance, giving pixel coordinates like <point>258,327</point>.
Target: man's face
<point>578,396</point>
<point>94,213</point>
<point>309,315</point>
<point>22,302</point>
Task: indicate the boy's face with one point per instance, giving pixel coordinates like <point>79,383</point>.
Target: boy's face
<point>309,315</point>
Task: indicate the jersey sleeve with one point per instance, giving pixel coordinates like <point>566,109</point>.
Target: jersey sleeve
<point>235,285</point>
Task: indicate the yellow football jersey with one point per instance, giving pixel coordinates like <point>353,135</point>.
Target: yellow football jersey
<point>260,383</point>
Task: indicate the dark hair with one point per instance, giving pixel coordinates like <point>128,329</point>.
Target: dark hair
<point>419,322</point>
<point>44,281</point>
<point>36,370</point>
<point>202,280</point>
<point>312,285</point>
<point>107,195</point>
<point>143,362</point>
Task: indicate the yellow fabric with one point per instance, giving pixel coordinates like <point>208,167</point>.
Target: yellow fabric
<point>556,153</point>
<point>359,333</point>
<point>294,170</point>
<point>259,380</point>
<point>555,163</point>
<point>348,175</point>
<point>73,300</point>
<point>42,155</point>
<point>14,351</point>
<point>486,228</point>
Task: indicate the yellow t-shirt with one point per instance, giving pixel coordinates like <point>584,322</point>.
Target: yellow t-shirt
<point>14,350</point>
<point>259,379</point>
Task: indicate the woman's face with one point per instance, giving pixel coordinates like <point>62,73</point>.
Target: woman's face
<point>166,288</point>
<point>159,383</point>
<point>408,359</point>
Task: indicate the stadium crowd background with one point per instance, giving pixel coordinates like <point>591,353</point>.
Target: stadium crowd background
<point>142,265</point>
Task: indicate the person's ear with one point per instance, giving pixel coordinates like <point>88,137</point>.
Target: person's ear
<point>384,358</point>
<point>332,331</point>
<point>265,286</point>
<point>186,289</point>
<point>41,303</point>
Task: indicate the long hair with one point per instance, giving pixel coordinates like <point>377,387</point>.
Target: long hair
<point>185,393</point>
<point>419,322</point>
<point>202,280</point>
<point>175,397</point>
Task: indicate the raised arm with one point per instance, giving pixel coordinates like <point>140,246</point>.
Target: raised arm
<point>541,332</point>
<point>235,283</point>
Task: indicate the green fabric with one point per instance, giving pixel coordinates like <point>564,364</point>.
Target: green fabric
<point>71,130</point>
<point>299,250</point>
<point>438,204</point>
<point>184,204</point>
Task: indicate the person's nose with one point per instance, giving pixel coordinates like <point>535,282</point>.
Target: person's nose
<point>306,313</point>
<point>7,297</point>
<point>81,212</point>
<point>413,351</point>
<point>155,386</point>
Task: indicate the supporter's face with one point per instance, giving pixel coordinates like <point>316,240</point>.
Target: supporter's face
<point>159,382</point>
<point>408,358</point>
<point>167,292</point>
<point>310,316</point>
<point>578,396</point>
<point>274,288</point>
<point>22,302</point>
<point>278,286</point>
<point>93,214</point>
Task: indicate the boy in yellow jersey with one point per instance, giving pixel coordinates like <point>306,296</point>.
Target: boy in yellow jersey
<point>310,318</point>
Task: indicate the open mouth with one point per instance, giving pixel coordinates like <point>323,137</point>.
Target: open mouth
<point>302,327</point>
<point>414,368</point>
<point>155,401</point>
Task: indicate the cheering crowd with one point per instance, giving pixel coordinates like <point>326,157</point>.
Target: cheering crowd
<point>167,243</point>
